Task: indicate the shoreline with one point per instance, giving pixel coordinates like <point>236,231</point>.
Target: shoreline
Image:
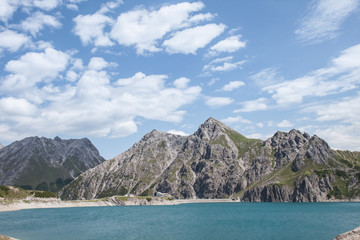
<point>38,203</point>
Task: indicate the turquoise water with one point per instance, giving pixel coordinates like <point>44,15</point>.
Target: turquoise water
<point>187,221</point>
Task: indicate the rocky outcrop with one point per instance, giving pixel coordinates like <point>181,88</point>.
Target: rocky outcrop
<point>46,164</point>
<point>218,162</point>
<point>351,235</point>
<point>306,189</point>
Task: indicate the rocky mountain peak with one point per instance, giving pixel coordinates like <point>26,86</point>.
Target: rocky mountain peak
<point>44,163</point>
<point>294,138</point>
<point>154,134</point>
<point>58,139</point>
<point>1,146</point>
<point>218,162</point>
<point>211,129</point>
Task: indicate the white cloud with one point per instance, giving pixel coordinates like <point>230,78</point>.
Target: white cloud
<point>228,45</point>
<point>72,6</point>
<point>90,29</point>
<point>324,19</point>
<point>9,7</point>
<point>37,22</point>
<point>285,124</point>
<point>176,132</point>
<point>266,77</point>
<point>12,41</point>
<point>108,6</point>
<point>181,82</point>
<point>342,75</point>
<point>232,85</point>
<point>223,65</point>
<point>33,67</point>
<point>46,4</point>
<point>16,107</point>
<point>227,66</point>
<point>97,63</point>
<point>253,105</point>
<point>238,119</point>
<point>341,136</point>
<point>216,102</point>
<point>340,122</point>
<point>94,105</point>
<point>71,76</point>
<point>188,41</point>
<point>347,110</point>
<point>144,29</point>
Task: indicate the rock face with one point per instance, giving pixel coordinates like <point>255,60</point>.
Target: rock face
<point>46,164</point>
<point>351,235</point>
<point>218,162</point>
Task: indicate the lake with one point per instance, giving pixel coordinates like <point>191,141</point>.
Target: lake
<point>186,221</point>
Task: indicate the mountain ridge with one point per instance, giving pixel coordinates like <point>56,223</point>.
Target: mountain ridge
<point>44,163</point>
<point>218,162</point>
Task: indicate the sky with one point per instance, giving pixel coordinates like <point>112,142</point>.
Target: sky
<point>112,71</point>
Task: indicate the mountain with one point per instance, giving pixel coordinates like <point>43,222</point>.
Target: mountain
<point>1,146</point>
<point>46,164</point>
<point>218,162</point>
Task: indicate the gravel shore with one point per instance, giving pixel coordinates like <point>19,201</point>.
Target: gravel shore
<point>31,203</point>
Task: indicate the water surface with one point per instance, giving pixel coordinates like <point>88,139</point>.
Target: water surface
<point>263,221</point>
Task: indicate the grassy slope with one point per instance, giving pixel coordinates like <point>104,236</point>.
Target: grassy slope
<point>10,193</point>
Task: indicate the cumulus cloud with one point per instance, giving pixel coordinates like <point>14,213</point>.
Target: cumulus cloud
<point>38,21</point>
<point>144,29</point>
<point>90,29</point>
<point>233,120</point>
<point>223,65</point>
<point>97,63</point>
<point>73,4</point>
<point>324,19</point>
<point>253,105</point>
<point>341,75</point>
<point>34,67</point>
<point>12,41</point>
<point>188,41</point>
<point>92,104</point>
<point>9,7</point>
<point>228,45</point>
<point>232,85</point>
<point>181,82</point>
<point>16,107</point>
<point>46,4</point>
<point>216,102</point>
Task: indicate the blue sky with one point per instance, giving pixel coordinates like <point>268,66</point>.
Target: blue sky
<point>114,70</point>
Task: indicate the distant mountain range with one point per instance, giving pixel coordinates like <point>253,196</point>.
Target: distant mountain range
<point>218,162</point>
<point>46,164</point>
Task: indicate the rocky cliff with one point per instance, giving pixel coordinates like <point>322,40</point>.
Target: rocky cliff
<point>218,162</point>
<point>46,164</point>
